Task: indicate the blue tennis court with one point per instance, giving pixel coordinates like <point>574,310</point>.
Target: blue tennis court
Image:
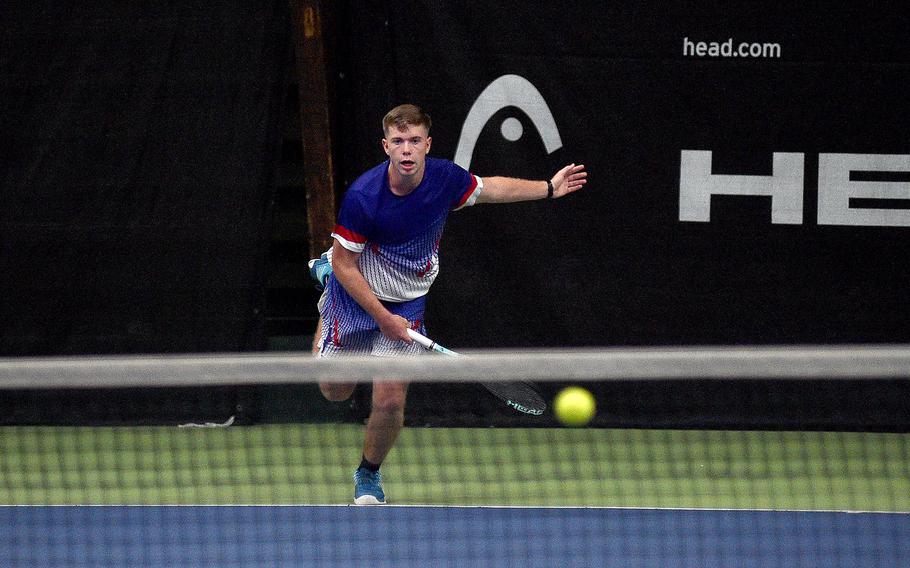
<point>196,536</point>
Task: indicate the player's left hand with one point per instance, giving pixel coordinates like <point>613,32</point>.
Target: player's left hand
<point>570,178</point>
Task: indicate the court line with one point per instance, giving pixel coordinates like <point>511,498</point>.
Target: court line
<point>447,506</point>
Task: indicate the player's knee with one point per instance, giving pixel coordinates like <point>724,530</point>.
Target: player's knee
<point>389,402</point>
<point>336,392</point>
<point>388,407</point>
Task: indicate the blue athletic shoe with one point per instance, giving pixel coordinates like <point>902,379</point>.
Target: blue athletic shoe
<point>368,487</point>
<point>320,270</point>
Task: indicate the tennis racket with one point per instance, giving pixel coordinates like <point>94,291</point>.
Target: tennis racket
<point>518,395</point>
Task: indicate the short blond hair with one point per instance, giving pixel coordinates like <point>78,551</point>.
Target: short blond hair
<point>404,115</point>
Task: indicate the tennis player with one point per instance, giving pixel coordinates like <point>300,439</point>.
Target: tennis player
<point>384,259</point>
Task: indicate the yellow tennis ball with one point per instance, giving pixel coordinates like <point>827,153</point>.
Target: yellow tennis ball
<point>574,406</point>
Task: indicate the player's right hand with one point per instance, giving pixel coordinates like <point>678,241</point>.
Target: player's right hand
<point>396,328</point>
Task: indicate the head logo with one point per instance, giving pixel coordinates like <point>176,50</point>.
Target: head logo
<point>507,91</point>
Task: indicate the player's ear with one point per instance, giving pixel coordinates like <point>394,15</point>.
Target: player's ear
<point>385,146</point>
<point>429,143</point>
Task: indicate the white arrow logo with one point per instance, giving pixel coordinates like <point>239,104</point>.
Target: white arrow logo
<point>506,91</point>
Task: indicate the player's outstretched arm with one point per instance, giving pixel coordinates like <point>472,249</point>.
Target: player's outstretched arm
<point>569,179</point>
<point>509,190</point>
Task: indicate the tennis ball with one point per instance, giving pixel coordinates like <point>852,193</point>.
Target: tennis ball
<point>574,406</point>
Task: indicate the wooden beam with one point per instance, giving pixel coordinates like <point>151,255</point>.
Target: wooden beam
<point>315,121</point>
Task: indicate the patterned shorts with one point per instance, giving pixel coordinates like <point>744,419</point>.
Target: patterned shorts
<point>349,330</point>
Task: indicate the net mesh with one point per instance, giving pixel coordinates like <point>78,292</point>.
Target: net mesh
<point>254,476</point>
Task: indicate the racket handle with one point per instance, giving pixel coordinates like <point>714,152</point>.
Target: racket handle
<point>426,342</point>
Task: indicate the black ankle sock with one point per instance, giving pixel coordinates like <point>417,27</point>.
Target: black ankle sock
<point>366,464</point>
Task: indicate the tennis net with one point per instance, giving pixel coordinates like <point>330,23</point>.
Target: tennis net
<point>699,457</point>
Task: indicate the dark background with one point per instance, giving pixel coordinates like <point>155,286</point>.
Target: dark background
<point>142,171</point>
<point>138,167</point>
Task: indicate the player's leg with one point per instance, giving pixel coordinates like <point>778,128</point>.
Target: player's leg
<point>327,343</point>
<point>335,392</point>
<point>385,421</point>
<point>383,426</point>
<point>387,412</point>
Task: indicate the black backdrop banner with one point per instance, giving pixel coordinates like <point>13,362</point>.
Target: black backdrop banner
<point>749,184</point>
<point>139,146</point>
<point>749,166</point>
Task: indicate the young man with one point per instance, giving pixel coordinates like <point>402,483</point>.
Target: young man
<point>385,257</point>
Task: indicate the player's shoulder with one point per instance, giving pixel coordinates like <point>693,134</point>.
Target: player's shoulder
<point>442,164</point>
<point>369,183</point>
<point>441,168</point>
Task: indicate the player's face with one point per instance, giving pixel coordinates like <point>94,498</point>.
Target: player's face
<point>407,150</point>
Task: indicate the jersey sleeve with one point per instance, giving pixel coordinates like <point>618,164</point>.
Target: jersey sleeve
<point>354,224</point>
<point>470,195</point>
<point>466,187</point>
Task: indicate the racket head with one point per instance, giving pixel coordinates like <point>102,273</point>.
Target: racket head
<point>520,396</point>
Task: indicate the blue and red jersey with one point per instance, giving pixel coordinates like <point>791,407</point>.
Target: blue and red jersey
<point>399,236</point>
